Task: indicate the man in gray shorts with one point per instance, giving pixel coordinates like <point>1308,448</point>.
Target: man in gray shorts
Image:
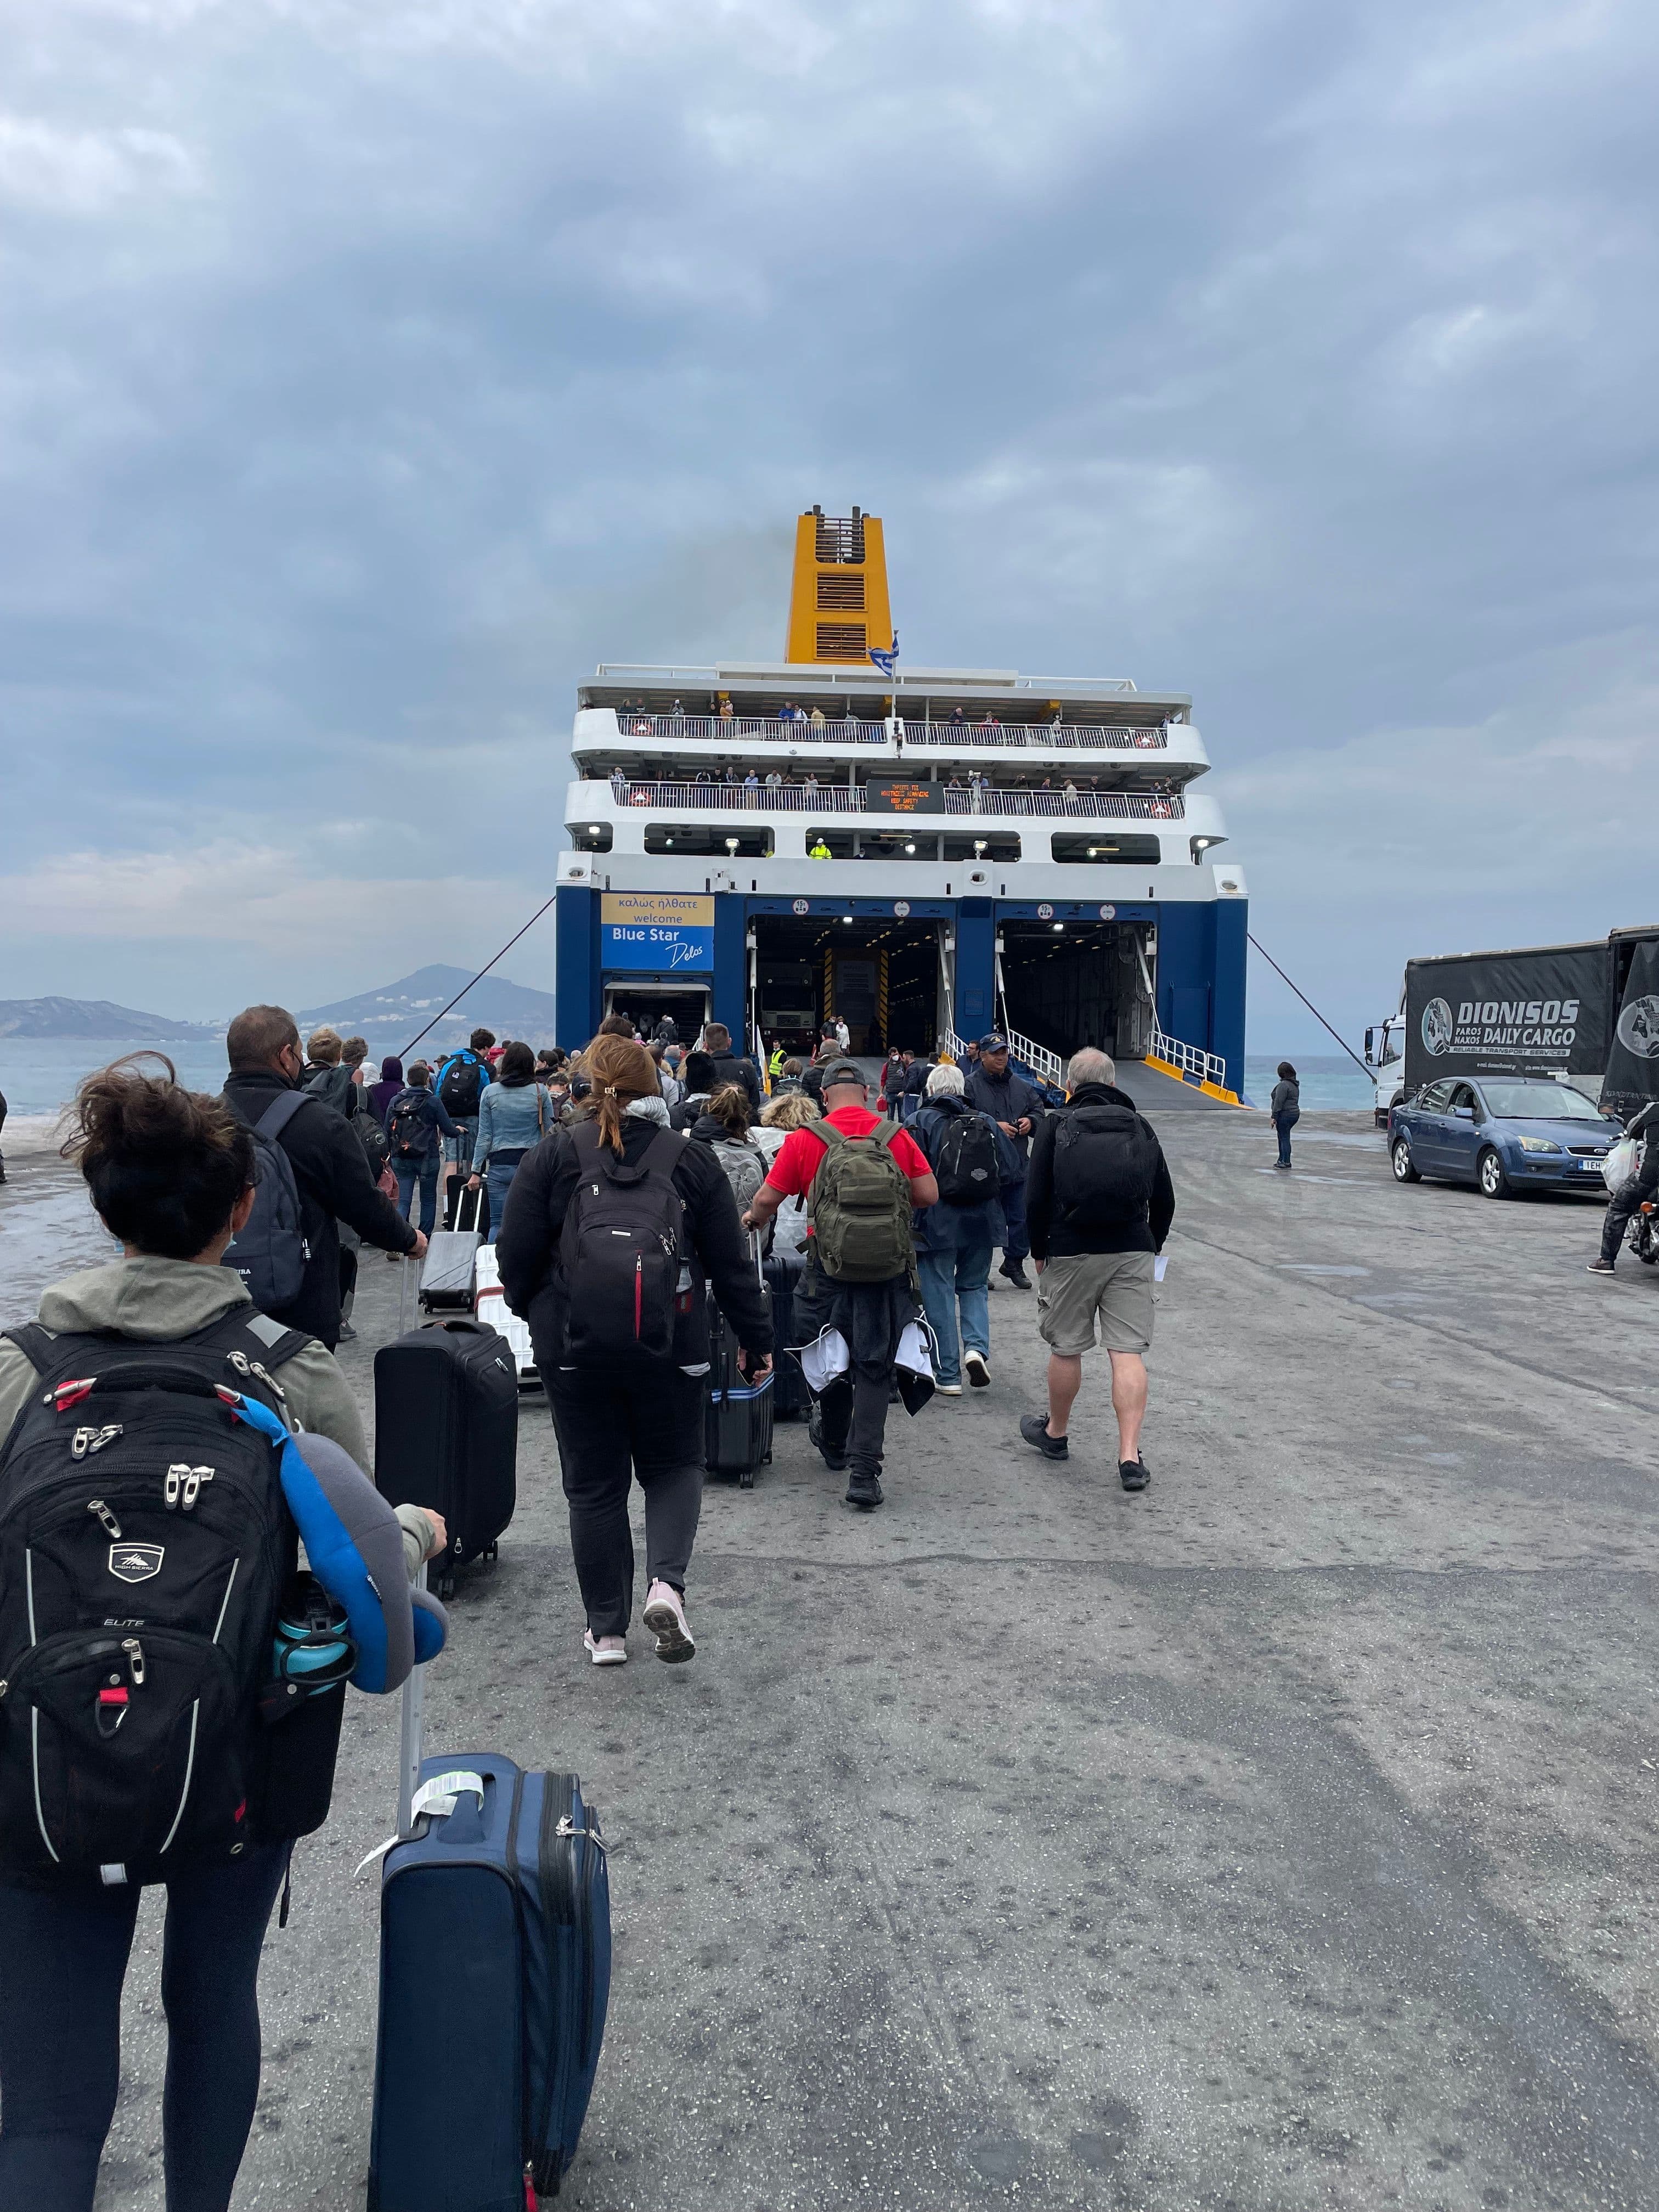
<point>1098,1203</point>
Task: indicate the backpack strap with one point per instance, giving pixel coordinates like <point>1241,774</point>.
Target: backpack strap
<point>36,1344</point>
<point>280,1112</point>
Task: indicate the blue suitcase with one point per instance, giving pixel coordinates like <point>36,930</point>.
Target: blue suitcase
<point>494,1972</point>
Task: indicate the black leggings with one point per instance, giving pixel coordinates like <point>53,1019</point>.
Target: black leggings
<point>63,1959</point>
<point>608,1432</point>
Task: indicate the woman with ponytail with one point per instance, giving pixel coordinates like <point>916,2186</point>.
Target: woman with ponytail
<point>629,1409</point>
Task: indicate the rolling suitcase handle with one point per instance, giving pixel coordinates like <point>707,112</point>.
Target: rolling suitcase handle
<point>411,1738</point>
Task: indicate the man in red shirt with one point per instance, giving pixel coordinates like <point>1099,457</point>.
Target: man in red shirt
<point>872,1316</point>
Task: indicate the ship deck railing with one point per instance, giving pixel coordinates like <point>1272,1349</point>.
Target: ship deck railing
<point>928,736</point>
<point>838,798</point>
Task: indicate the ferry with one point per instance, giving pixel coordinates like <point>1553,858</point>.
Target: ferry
<point>924,853</point>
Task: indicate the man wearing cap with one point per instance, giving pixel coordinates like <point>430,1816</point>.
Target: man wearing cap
<point>870,1315</point>
<point>1016,1106</point>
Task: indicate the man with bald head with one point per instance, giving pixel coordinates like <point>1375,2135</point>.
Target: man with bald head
<point>1099,1202</point>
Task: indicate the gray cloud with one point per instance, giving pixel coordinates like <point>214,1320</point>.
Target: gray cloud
<point>371,372</point>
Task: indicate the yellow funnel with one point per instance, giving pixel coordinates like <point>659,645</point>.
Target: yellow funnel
<point>838,604</point>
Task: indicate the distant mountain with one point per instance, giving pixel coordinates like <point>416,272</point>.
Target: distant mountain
<point>390,1016</point>
<point>100,1018</point>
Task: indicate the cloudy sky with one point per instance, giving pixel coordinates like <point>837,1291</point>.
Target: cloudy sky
<point>372,367</point>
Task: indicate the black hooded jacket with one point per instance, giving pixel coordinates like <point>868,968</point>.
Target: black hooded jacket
<point>331,1170</point>
<point>1053,1237</point>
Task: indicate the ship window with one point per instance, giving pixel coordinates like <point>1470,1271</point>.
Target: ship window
<point>842,843</point>
<point>985,848</point>
<point>843,593</point>
<point>910,843</point>
<point>710,840</point>
<point>841,642</point>
<point>591,836</point>
<point>1108,847</point>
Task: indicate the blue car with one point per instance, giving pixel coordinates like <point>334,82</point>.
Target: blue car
<point>1503,1134</point>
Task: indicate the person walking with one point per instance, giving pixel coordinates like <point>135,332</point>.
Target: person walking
<point>827,1050</point>
<point>862,1177</point>
<point>325,1075</point>
<point>731,1066</point>
<point>460,1086</point>
<point>1636,1190</point>
<point>171,1174</point>
<point>622,1346</point>
<point>956,1239</point>
<point>696,1088</point>
<point>513,1115</point>
<point>892,1079</point>
<point>382,1094</point>
<point>1017,1108</point>
<point>724,1125</point>
<point>1286,1107</point>
<point>417,1123</point>
<point>1100,1202</point>
<point>330,1168</point>
<point>917,1074</point>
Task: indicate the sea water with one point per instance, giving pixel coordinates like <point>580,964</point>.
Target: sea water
<point>1329,1080</point>
<point>40,1074</point>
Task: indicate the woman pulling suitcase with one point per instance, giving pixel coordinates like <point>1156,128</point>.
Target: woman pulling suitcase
<point>134,1750</point>
<point>614,1230</point>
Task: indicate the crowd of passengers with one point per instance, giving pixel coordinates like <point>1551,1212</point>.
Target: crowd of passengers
<point>722,710</point>
<point>1070,788</point>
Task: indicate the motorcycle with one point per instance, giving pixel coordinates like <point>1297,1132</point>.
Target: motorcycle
<point>1643,1236</point>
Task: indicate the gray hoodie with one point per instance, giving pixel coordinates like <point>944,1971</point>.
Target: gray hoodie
<point>152,1300</point>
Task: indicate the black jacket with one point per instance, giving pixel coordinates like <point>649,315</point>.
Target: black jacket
<point>916,1078</point>
<point>730,1068</point>
<point>1053,1237</point>
<point>331,1170</point>
<point>1006,1098</point>
<point>527,1241</point>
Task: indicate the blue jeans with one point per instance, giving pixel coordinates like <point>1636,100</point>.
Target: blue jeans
<point>959,1276</point>
<point>65,1952</point>
<point>1284,1128</point>
<point>425,1172</point>
<point>1016,1242</point>
<point>499,1180</point>
<point>461,1149</point>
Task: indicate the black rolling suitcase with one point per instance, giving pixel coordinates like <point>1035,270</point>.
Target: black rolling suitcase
<point>446,1433</point>
<point>790,1395</point>
<point>736,1412</point>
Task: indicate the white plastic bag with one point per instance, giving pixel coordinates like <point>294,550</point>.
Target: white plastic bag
<point>1621,1163</point>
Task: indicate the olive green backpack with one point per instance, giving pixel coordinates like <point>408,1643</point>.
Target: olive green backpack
<point>860,1207</point>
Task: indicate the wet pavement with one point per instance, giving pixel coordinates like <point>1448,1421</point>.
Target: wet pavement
<point>1279,1839</point>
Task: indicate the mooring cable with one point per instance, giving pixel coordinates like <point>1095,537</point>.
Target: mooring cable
<point>1369,1073</point>
<point>481,973</point>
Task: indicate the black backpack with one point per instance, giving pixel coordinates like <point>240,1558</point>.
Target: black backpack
<point>1105,1165</point>
<point>269,1251</point>
<point>335,1086</point>
<point>624,1256</point>
<point>145,1547</point>
<point>462,1085</point>
<point>966,1160</point>
<point>372,1137</point>
<point>406,1127</point>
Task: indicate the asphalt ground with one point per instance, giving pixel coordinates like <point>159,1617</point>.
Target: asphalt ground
<point>1281,1838</point>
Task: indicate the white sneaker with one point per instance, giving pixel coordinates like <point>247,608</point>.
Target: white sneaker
<point>605,1651</point>
<point>979,1373</point>
<point>948,1389</point>
<point>664,1616</point>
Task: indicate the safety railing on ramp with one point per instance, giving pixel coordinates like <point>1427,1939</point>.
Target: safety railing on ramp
<point>1201,1067</point>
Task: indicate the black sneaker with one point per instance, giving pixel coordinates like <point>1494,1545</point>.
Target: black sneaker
<point>348,1334</point>
<point>1600,1268</point>
<point>1034,1427</point>
<point>864,1491</point>
<point>1133,1473</point>
<point>1015,1272</point>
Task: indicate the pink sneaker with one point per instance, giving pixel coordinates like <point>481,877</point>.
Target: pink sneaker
<point>605,1651</point>
<point>664,1616</point>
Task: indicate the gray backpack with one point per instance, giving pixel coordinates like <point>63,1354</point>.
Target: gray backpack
<point>269,1252</point>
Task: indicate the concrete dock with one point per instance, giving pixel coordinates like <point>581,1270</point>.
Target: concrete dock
<point>1280,1839</point>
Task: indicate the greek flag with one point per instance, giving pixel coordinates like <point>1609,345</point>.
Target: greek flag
<point>887,662</point>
